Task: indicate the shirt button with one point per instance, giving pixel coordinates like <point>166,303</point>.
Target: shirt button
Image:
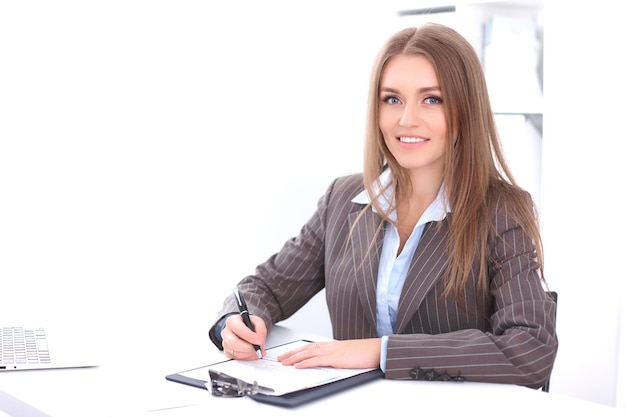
<point>383,299</point>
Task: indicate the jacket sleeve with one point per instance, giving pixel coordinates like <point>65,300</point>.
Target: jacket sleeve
<point>287,280</point>
<point>519,343</point>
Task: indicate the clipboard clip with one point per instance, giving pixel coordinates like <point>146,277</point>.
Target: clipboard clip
<point>223,385</point>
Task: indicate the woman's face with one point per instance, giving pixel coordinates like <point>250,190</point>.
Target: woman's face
<point>411,114</point>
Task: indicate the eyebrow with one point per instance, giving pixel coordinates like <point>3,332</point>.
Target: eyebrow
<point>421,90</point>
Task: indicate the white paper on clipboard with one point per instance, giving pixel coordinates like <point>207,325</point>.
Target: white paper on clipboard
<point>270,373</point>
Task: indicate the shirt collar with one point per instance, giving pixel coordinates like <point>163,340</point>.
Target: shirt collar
<point>436,211</point>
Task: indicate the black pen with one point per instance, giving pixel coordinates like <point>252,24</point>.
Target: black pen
<point>243,311</point>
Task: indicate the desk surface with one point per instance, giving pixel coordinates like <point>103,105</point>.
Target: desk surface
<point>120,389</point>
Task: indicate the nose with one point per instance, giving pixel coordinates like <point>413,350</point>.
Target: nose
<point>410,115</point>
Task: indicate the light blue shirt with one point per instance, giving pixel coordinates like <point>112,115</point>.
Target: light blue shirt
<point>392,269</point>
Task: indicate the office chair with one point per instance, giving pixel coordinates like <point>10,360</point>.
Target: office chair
<point>554,296</point>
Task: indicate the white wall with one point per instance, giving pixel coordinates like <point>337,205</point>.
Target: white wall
<point>153,152</point>
<point>583,192</point>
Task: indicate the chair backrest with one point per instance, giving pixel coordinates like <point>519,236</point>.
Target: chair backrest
<point>554,296</point>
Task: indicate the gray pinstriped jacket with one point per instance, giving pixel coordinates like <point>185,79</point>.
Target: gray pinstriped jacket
<point>509,338</point>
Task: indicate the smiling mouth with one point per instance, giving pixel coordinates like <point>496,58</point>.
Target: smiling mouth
<point>407,139</point>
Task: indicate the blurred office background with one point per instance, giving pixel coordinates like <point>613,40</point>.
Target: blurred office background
<point>152,153</point>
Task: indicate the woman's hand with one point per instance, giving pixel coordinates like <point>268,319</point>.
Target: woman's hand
<point>359,353</point>
<point>237,339</point>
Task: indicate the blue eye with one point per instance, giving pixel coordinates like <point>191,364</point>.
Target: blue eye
<point>391,100</point>
<point>433,100</point>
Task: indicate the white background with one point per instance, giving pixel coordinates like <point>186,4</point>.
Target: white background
<point>152,153</point>
<point>157,151</point>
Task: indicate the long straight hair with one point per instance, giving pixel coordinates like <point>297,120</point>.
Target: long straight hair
<point>476,173</point>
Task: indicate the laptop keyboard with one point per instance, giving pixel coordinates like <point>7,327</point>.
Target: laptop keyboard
<point>23,346</point>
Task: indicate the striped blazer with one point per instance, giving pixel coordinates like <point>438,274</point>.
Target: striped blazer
<point>507,337</point>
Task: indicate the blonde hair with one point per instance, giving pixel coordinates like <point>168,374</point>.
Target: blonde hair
<point>475,171</point>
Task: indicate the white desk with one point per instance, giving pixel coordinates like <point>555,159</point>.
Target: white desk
<point>125,390</point>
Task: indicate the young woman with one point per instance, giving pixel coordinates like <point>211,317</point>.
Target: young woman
<point>432,257</point>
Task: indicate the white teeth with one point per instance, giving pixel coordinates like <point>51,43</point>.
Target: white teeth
<point>405,139</point>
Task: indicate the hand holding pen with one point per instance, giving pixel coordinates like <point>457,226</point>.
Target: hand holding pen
<point>243,311</point>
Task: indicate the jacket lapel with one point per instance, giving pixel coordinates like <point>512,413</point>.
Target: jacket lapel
<point>366,258</point>
<point>427,265</point>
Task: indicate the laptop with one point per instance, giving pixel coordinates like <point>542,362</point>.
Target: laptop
<point>32,348</point>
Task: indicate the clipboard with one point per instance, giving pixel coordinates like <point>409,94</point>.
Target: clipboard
<point>198,377</point>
